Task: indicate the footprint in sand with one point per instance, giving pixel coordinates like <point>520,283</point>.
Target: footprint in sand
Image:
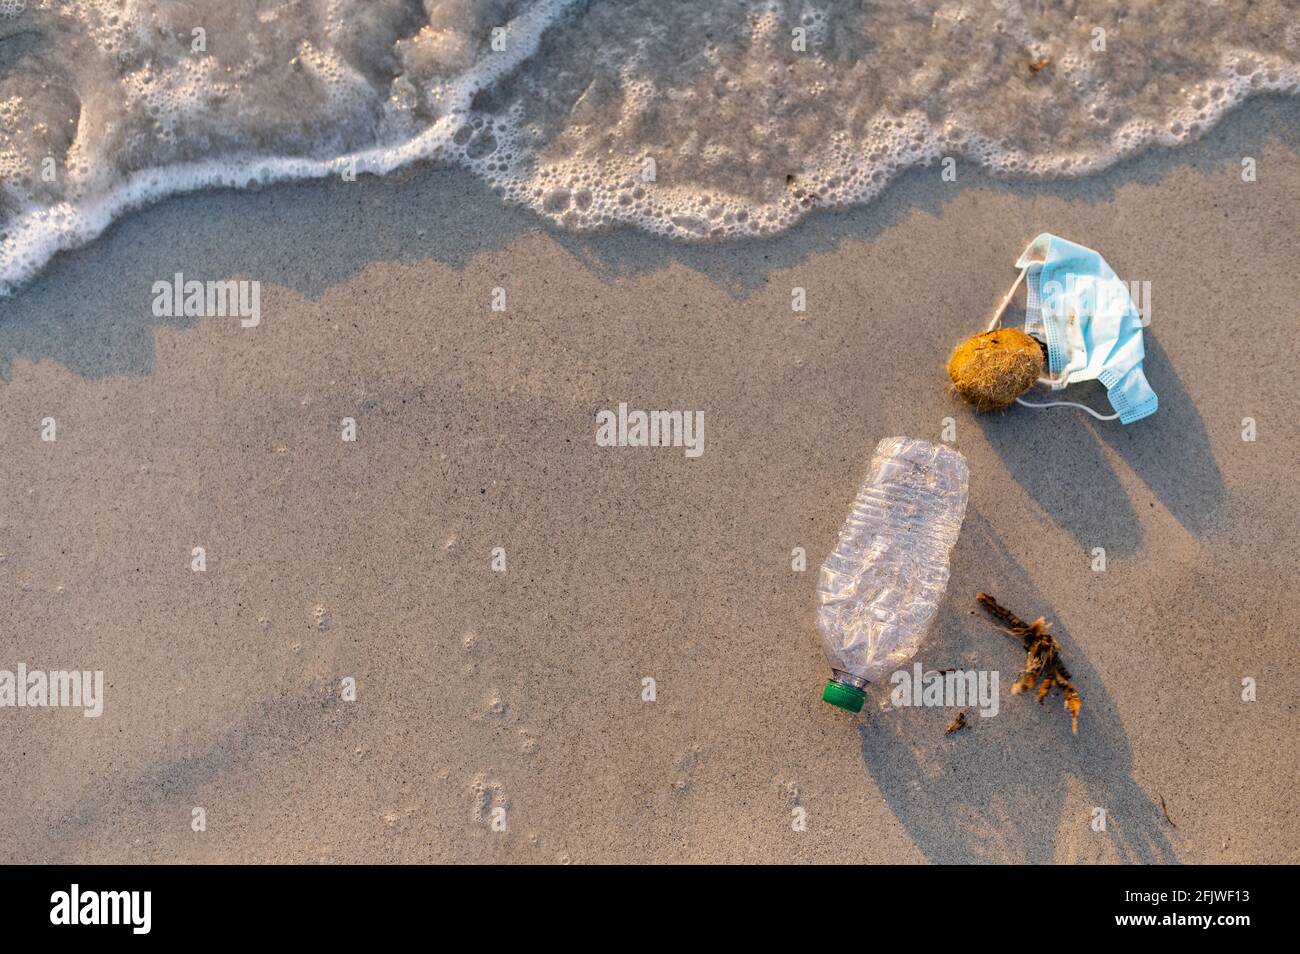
<point>686,767</point>
<point>469,645</point>
<point>791,793</point>
<point>490,803</point>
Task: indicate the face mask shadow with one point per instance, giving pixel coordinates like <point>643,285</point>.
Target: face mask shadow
<point>1170,451</point>
<point>1016,787</point>
<point>1056,457</point>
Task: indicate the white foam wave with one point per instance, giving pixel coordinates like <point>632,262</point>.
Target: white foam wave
<point>35,235</point>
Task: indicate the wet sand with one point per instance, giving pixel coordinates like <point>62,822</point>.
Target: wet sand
<point>479,690</point>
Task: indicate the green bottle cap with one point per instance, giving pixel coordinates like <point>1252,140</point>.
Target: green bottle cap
<point>846,697</point>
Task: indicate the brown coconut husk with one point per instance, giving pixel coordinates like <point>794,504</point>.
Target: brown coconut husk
<point>993,369</point>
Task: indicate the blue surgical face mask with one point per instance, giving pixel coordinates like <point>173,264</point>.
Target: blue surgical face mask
<point>1077,306</point>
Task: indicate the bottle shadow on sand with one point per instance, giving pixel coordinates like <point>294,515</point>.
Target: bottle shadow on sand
<point>1018,786</point>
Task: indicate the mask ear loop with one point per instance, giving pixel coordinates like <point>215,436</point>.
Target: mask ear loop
<point>1006,300</point>
<point>1082,407</point>
<point>1048,380</point>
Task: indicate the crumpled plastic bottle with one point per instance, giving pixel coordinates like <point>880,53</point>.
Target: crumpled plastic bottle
<point>880,588</point>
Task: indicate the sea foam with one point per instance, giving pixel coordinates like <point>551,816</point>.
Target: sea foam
<point>691,120</point>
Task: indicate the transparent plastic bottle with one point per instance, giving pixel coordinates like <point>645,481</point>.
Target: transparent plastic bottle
<point>880,588</point>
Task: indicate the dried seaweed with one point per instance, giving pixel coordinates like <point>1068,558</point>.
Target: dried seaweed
<point>1043,666</point>
<point>958,722</point>
<point>1165,810</point>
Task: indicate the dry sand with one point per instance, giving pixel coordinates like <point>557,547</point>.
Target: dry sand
<point>522,689</point>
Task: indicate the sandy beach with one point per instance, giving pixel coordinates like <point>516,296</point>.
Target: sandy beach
<point>479,690</point>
